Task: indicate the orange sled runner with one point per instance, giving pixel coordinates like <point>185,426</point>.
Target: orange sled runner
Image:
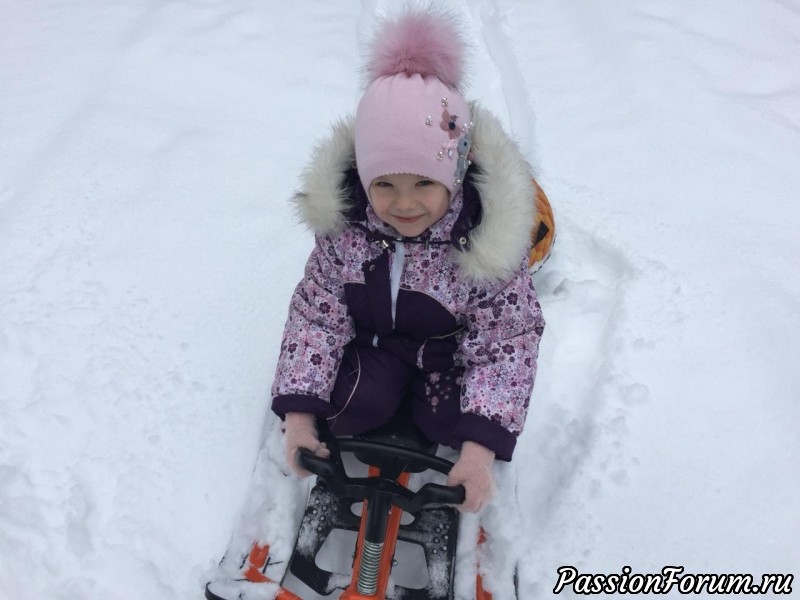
<point>392,453</point>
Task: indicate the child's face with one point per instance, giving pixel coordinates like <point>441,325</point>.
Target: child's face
<point>409,203</point>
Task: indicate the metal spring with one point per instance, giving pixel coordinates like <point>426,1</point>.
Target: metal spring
<point>370,565</point>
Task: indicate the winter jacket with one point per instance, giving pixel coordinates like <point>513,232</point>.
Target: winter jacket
<point>464,280</point>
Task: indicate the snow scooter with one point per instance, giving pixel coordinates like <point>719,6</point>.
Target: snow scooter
<point>392,454</point>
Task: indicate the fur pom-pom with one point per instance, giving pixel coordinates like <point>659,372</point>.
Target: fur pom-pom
<point>424,42</point>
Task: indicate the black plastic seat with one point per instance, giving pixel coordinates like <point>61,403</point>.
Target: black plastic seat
<point>402,432</point>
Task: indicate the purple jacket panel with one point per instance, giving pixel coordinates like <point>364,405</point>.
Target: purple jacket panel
<point>418,316</point>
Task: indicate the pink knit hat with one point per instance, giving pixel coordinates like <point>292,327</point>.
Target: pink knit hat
<point>411,118</point>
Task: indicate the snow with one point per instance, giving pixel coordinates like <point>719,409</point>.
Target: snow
<point>148,252</point>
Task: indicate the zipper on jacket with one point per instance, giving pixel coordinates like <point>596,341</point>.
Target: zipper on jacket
<point>398,258</point>
<point>398,261</point>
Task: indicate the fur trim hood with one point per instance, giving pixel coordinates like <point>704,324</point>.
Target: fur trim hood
<point>502,179</point>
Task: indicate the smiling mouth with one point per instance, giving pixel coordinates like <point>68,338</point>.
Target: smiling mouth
<point>408,219</point>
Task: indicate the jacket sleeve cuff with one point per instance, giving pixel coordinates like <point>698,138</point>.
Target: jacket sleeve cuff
<point>475,428</point>
<point>300,403</point>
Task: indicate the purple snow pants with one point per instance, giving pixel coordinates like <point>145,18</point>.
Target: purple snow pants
<point>372,384</point>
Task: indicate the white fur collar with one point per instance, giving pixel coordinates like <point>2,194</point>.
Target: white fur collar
<point>504,183</point>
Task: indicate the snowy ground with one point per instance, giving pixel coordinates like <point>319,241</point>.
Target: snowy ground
<point>147,254</point>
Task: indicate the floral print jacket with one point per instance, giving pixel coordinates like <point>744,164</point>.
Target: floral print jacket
<point>465,279</point>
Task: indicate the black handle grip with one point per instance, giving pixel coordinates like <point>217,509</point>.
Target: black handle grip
<point>443,494</point>
<point>321,467</point>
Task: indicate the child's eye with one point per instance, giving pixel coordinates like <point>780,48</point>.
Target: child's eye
<point>383,184</point>
<point>424,182</point>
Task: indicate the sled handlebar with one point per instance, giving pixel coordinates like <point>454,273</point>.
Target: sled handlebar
<point>332,471</point>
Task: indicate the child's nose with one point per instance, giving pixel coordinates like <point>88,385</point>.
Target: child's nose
<point>405,200</point>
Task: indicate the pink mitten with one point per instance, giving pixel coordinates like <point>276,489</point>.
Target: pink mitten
<point>473,470</point>
<point>301,432</point>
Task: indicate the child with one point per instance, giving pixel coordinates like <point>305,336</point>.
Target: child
<point>418,288</point>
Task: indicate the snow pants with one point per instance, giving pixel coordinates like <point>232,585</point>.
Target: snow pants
<point>372,384</point>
